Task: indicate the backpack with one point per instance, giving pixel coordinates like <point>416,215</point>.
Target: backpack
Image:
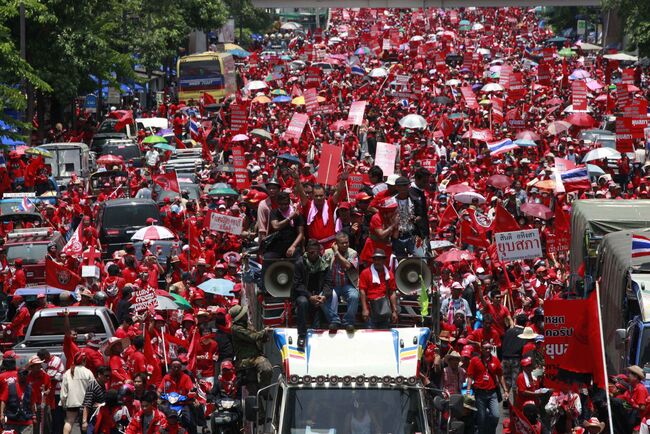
<point>17,409</point>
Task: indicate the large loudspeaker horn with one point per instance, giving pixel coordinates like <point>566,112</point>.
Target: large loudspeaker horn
<point>407,275</point>
<point>278,279</point>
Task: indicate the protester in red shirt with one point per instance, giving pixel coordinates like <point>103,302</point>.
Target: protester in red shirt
<point>485,376</point>
<point>377,293</point>
<point>176,380</point>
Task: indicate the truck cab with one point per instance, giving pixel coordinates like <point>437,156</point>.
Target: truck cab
<point>371,375</point>
<point>637,333</point>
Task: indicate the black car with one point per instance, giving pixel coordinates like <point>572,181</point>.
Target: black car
<point>127,149</point>
<point>106,131</point>
<point>119,219</point>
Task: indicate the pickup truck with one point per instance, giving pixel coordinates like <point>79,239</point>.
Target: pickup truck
<point>46,330</point>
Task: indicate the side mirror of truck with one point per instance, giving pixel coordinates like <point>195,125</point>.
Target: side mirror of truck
<point>621,336</point>
<point>250,408</point>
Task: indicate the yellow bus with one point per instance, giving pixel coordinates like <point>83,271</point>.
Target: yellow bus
<point>209,72</point>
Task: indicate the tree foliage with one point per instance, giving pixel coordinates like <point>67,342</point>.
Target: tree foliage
<point>636,16</point>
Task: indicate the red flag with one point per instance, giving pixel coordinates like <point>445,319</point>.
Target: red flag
<point>561,222</point>
<point>208,99</point>
<point>205,150</point>
<point>504,221</point>
<point>59,276</point>
<point>153,364</point>
<point>179,143</point>
<point>70,349</point>
<point>74,247</point>
<point>565,73</point>
<point>444,125</point>
<point>449,216</point>
<point>573,340</point>
<point>124,120</point>
<point>192,350</point>
<point>167,181</point>
<point>193,240</point>
<point>469,234</point>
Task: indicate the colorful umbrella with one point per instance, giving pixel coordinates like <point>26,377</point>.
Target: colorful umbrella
<point>152,140</point>
<point>378,73</point>
<point>363,51</point>
<point>413,122</point>
<point>256,85</point>
<point>180,301</point>
<point>282,99</point>
<point>153,232</point>
<point>454,255</point>
<point>537,210</point>
<point>164,303</point>
<point>558,127</point>
<point>39,151</point>
<point>601,153</point>
<point>240,138</point>
<point>262,99</point>
<point>528,135</point>
<point>525,142</point>
<point>467,197</point>
<point>223,191</point>
<point>278,92</point>
<point>165,147</point>
<point>583,120</point>
<point>458,188</point>
<point>289,157</point>
<point>221,287</point>
<point>500,181</point>
<point>110,159</point>
<point>262,134</point>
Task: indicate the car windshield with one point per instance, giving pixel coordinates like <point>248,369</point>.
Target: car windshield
<point>108,126</point>
<point>82,324</point>
<point>129,215</point>
<point>337,410</point>
<point>30,253</point>
<point>125,151</point>
<point>201,68</point>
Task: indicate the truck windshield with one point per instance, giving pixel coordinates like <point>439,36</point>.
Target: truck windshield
<point>344,410</point>
<point>30,253</point>
<point>82,324</point>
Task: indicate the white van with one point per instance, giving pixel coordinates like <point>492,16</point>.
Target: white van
<point>151,124</point>
<point>68,159</point>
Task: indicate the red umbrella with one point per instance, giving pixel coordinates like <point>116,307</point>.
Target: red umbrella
<point>558,127</point>
<point>581,120</point>
<point>554,101</point>
<point>458,188</point>
<point>455,255</point>
<point>110,159</point>
<point>537,210</point>
<point>500,181</point>
<point>528,135</point>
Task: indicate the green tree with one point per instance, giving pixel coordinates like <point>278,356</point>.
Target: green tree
<point>250,19</point>
<point>14,71</point>
<point>636,15</point>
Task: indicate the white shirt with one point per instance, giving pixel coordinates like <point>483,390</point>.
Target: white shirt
<point>152,156</point>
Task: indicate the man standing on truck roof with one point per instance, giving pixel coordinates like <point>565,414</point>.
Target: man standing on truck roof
<point>344,267</point>
<point>377,289</point>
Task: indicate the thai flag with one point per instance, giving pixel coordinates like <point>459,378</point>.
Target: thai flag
<point>640,246</point>
<point>576,179</point>
<point>358,70</point>
<point>195,128</point>
<point>26,205</point>
<point>501,146</point>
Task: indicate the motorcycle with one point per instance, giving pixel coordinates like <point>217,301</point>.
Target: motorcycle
<point>180,404</point>
<point>227,417</point>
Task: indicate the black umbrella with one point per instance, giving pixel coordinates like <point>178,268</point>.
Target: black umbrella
<point>442,100</point>
<point>290,157</point>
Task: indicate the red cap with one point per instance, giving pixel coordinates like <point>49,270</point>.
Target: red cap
<point>9,354</point>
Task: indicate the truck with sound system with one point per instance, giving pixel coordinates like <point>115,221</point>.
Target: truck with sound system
<point>591,220</point>
<point>623,283</point>
<point>368,380</point>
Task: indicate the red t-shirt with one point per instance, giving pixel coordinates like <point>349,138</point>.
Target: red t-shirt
<point>637,396</point>
<point>4,397</point>
<point>137,363</point>
<point>480,335</point>
<point>532,386</point>
<point>484,377</point>
<point>38,380</point>
<point>374,290</point>
<point>499,313</point>
<point>182,387</point>
<point>318,230</point>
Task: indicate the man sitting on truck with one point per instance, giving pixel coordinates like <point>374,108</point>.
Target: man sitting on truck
<point>312,286</point>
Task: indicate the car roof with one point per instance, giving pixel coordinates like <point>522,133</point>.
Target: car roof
<point>31,238</point>
<point>126,201</point>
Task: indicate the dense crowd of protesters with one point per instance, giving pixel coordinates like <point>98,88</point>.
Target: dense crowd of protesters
<point>443,201</point>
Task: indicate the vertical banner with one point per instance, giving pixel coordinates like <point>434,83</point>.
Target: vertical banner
<point>579,95</point>
<point>622,95</point>
<point>497,110</point>
<point>238,118</point>
<point>241,173</point>
<point>544,76</point>
<point>313,77</point>
<point>385,157</point>
<point>328,168</point>
<point>627,76</point>
<point>469,97</point>
<point>311,100</point>
<point>504,77</point>
<point>355,183</point>
<point>296,125</point>
<point>357,110</point>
